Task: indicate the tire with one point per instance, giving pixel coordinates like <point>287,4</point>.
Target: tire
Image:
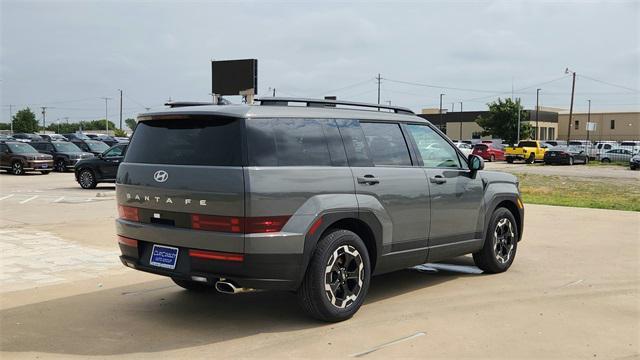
<point>499,250</point>
<point>87,179</point>
<point>194,286</point>
<point>351,282</point>
<point>59,165</point>
<point>45,172</point>
<point>510,160</point>
<point>586,161</point>
<point>531,159</point>
<point>571,161</point>
<point>492,158</point>
<point>606,160</point>
<point>17,168</point>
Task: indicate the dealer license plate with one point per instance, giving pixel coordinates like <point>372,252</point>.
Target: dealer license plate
<point>164,256</point>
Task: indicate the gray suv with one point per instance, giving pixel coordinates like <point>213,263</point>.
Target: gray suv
<point>311,196</point>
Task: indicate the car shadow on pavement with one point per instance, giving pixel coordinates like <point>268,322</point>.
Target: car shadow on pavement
<point>159,316</point>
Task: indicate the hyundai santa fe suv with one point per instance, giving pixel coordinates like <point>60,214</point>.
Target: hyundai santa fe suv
<point>314,198</point>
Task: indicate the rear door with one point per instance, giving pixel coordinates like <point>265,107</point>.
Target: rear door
<point>384,174</point>
<point>456,194</point>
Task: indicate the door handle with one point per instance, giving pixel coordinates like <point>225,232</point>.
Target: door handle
<point>438,179</point>
<point>368,179</point>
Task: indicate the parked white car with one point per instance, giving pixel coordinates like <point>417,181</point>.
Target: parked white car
<point>465,148</point>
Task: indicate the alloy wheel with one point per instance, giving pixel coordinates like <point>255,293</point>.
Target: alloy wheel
<point>344,276</point>
<point>86,179</point>
<point>504,239</point>
<point>60,166</point>
<point>17,168</point>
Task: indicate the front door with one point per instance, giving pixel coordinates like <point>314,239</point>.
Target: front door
<point>456,195</point>
<point>388,185</point>
<point>112,159</point>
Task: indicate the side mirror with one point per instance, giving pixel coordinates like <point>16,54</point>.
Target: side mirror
<point>475,162</point>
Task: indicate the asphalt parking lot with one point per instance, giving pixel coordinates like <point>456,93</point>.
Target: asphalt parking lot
<point>572,292</point>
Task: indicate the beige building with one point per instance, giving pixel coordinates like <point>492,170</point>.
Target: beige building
<point>608,126</point>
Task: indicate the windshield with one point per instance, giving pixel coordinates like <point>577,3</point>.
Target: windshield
<point>66,147</point>
<point>97,145</point>
<point>21,148</point>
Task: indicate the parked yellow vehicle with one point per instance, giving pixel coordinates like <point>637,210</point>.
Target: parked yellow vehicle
<point>529,151</point>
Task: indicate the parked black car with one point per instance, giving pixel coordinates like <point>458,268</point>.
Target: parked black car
<point>565,155</point>
<point>53,137</point>
<point>107,139</point>
<point>634,163</point>
<point>18,157</point>
<point>76,136</point>
<point>4,137</point>
<point>93,146</point>
<point>102,168</point>
<point>65,154</point>
<point>26,137</point>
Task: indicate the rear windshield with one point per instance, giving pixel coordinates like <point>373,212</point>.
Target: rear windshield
<point>201,140</point>
<point>527,144</point>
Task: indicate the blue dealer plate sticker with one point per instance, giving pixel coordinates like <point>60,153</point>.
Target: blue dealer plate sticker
<point>164,256</point>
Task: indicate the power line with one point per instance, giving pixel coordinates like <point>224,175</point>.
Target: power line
<point>439,86</point>
<point>608,83</point>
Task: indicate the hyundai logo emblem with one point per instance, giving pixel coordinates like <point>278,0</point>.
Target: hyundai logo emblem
<point>161,176</point>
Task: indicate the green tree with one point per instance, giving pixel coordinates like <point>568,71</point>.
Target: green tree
<point>131,123</point>
<point>502,121</point>
<point>24,121</point>
<point>119,133</point>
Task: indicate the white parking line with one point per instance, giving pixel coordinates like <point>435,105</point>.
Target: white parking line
<point>6,197</point>
<point>59,199</point>
<point>29,199</point>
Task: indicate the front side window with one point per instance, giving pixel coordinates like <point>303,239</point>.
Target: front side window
<point>114,152</point>
<point>435,151</point>
<point>386,144</point>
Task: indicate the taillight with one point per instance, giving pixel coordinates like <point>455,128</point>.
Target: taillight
<point>216,255</point>
<point>127,241</point>
<point>238,224</point>
<point>128,213</point>
<point>265,224</point>
<point>217,223</point>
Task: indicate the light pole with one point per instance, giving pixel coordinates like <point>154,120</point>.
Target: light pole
<point>537,110</point>
<point>460,121</point>
<point>588,121</point>
<point>106,113</point>
<point>440,111</point>
<point>573,89</point>
<point>120,109</point>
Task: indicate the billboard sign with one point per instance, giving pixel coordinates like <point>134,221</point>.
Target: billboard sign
<point>234,77</point>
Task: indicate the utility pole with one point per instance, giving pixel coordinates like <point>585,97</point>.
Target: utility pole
<point>460,106</point>
<point>120,109</point>
<point>588,122</point>
<point>537,110</point>
<point>460,121</point>
<point>44,117</point>
<point>378,78</point>
<point>440,111</point>
<point>274,92</point>
<point>106,113</point>
<point>573,89</point>
<point>518,104</point>
<point>11,117</point>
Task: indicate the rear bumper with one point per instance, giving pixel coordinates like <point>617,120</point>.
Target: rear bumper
<point>270,261</point>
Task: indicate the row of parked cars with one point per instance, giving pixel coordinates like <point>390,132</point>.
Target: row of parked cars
<point>556,152</point>
<point>93,161</point>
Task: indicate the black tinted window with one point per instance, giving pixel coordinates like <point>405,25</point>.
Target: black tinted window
<point>294,142</point>
<point>355,143</point>
<point>203,140</point>
<point>386,144</point>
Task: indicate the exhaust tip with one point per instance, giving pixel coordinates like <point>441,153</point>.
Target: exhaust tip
<point>225,287</point>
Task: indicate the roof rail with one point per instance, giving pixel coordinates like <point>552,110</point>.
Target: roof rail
<point>175,104</point>
<point>284,101</point>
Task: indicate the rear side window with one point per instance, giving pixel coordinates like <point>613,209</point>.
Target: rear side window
<point>386,143</point>
<point>294,142</point>
<point>197,140</point>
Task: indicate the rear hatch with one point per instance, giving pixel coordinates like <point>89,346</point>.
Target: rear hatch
<point>185,172</point>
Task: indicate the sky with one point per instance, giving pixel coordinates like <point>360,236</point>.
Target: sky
<point>69,55</point>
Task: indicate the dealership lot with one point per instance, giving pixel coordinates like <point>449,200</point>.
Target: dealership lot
<point>573,287</point>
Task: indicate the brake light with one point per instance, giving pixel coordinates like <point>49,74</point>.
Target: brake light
<point>216,255</point>
<point>128,213</point>
<point>127,241</point>
<point>238,225</point>
<point>217,223</point>
<point>265,224</point>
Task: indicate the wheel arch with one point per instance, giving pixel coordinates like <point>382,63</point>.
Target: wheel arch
<point>511,204</point>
